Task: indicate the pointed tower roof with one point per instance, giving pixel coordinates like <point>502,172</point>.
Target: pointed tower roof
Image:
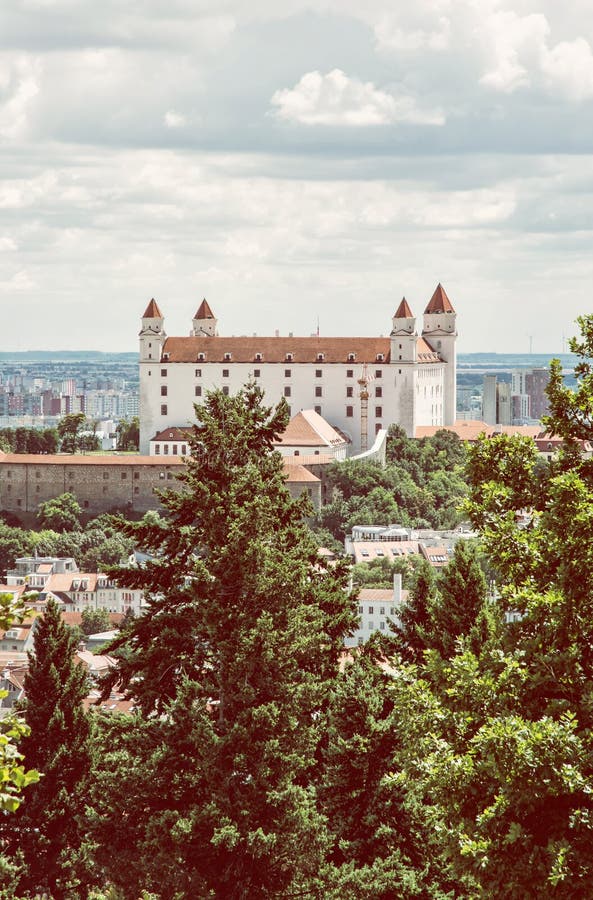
<point>403,311</point>
<point>204,311</point>
<point>153,311</point>
<point>439,302</point>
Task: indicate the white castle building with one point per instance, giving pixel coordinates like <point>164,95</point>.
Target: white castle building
<point>358,384</point>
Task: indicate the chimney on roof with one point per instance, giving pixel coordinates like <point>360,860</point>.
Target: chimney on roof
<point>276,333</point>
<point>397,588</point>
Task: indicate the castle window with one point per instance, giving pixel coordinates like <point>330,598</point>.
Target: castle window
<point>350,392</point>
<point>183,450</point>
<point>86,504</point>
<point>163,373</point>
<point>256,373</point>
<point>349,373</point>
<point>157,449</point>
<point>377,428</point>
<point>174,449</point>
<point>287,391</point>
<point>105,475</point>
<point>378,373</point>
<point>198,373</point>
<point>136,475</point>
<point>225,373</point>
<point>163,409</point>
<point>166,449</point>
<point>318,373</point>
<point>318,391</point>
<point>378,412</point>
<point>198,390</point>
<point>349,412</point>
<point>37,489</point>
<point>318,410</point>
<point>124,475</point>
<point>378,391</point>
<point>163,390</point>
<point>287,373</point>
<point>136,490</point>
<point>225,390</point>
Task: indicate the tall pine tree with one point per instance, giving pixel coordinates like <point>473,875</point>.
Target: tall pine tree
<point>45,831</point>
<point>237,652</point>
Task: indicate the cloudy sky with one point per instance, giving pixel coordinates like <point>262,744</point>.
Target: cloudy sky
<point>294,162</point>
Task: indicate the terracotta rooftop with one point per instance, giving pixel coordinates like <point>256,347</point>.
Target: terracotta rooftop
<point>75,459</point>
<point>204,311</point>
<point>439,302</point>
<point>471,429</point>
<point>175,433</point>
<point>309,429</point>
<point>403,311</point>
<point>298,473</point>
<point>252,350</point>
<point>153,311</point>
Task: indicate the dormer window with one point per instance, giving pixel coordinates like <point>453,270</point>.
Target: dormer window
<point>320,357</point>
<point>228,356</point>
<point>259,357</point>
<point>289,357</point>
<point>201,357</point>
<point>165,356</point>
<point>381,357</point>
<point>351,357</point>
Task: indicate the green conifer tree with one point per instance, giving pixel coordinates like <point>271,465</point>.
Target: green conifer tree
<point>237,652</point>
<point>44,832</point>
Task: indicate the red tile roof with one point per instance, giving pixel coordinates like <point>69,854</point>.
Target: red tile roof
<point>309,429</point>
<point>298,473</point>
<point>285,349</point>
<point>175,433</point>
<point>204,311</point>
<point>403,311</point>
<point>439,302</point>
<point>74,459</point>
<point>153,311</point>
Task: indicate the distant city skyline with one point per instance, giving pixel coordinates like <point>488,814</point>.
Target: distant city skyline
<point>298,163</point>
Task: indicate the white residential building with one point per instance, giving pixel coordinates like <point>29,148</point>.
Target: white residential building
<point>377,608</point>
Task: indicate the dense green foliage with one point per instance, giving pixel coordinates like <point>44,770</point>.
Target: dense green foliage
<point>29,440</point>
<point>94,547</point>
<point>128,433</point>
<point>44,833</point>
<point>237,652</point>
<point>422,486</point>
<point>450,760</point>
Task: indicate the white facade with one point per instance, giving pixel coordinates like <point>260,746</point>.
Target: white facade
<point>377,609</point>
<point>410,379</point>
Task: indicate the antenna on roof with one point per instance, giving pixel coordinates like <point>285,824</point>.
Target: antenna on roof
<point>317,326</point>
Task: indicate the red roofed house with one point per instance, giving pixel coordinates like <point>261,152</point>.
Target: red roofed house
<point>409,376</point>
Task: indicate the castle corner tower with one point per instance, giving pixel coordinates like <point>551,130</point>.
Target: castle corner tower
<point>441,333</point>
<point>204,322</point>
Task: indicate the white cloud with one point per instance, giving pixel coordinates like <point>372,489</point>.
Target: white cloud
<point>336,99</point>
<point>568,69</point>
<point>19,85</point>
<point>521,55</point>
<point>174,119</point>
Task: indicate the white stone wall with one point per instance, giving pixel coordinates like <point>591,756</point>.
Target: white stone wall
<point>410,394</point>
